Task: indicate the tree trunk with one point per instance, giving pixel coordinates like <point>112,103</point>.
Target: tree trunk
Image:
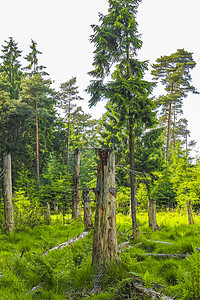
<point>37,142</point>
<point>152,215</point>
<point>8,205</point>
<point>48,212</point>
<point>87,209</point>
<point>168,130</point>
<point>68,130</point>
<point>136,232</point>
<point>168,125</point>
<point>105,239</point>
<point>190,214</point>
<point>76,208</point>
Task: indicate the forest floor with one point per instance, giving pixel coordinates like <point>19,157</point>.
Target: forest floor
<point>26,272</point>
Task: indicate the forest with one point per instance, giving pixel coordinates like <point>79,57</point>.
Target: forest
<point>99,208</point>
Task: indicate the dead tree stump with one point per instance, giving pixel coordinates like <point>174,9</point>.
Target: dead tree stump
<point>8,205</point>
<point>105,239</point>
<point>152,215</point>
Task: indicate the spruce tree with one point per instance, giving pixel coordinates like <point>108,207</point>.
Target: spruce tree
<point>117,41</point>
<point>67,95</point>
<point>12,66</point>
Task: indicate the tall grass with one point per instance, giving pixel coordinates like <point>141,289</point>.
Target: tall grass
<point>67,273</point>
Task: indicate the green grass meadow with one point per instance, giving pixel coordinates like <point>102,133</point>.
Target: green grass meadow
<point>66,273</point>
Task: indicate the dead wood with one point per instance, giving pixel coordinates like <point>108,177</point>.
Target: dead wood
<point>163,255</point>
<point>71,241</point>
<point>160,242</point>
<point>151,294</point>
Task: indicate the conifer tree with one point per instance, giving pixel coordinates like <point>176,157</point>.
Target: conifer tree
<point>34,68</point>
<point>173,71</point>
<point>67,95</point>
<point>117,41</point>
<point>11,66</point>
<point>32,58</point>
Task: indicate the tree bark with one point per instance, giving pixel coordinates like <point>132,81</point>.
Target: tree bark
<point>105,239</point>
<point>68,130</point>
<point>190,214</point>
<point>37,142</point>
<point>168,126</point>
<point>152,215</point>
<point>136,232</point>
<point>87,209</point>
<point>8,205</point>
<point>76,208</point>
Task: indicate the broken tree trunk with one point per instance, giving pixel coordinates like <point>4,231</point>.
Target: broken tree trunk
<point>87,209</point>
<point>152,215</point>
<point>76,208</point>
<point>8,205</point>
<point>105,239</point>
<point>190,214</point>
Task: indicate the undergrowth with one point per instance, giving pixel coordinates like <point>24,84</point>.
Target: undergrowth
<point>67,273</point>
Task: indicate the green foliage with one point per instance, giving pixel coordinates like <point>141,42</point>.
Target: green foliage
<point>123,200</point>
<point>194,269</point>
<point>68,270</point>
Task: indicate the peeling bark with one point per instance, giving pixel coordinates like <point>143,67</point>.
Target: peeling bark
<point>105,239</point>
<point>8,205</point>
<point>76,208</point>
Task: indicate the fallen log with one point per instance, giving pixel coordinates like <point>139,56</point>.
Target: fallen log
<point>165,255</point>
<point>160,242</point>
<point>151,294</point>
<point>71,241</point>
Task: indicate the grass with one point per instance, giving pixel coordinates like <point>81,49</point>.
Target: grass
<point>67,273</point>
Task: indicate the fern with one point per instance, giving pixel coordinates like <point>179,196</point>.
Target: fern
<point>194,268</point>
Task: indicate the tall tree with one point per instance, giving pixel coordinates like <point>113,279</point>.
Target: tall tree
<point>37,90</point>
<point>11,66</point>
<point>32,58</point>
<point>32,69</point>
<point>67,95</point>
<point>117,41</point>
<point>173,71</point>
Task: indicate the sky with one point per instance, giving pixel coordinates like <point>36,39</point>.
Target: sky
<point>62,29</point>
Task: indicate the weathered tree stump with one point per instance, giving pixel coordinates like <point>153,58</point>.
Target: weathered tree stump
<point>76,208</point>
<point>105,240</point>
<point>8,205</point>
<point>152,215</point>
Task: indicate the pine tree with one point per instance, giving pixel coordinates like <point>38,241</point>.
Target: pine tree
<point>173,72</point>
